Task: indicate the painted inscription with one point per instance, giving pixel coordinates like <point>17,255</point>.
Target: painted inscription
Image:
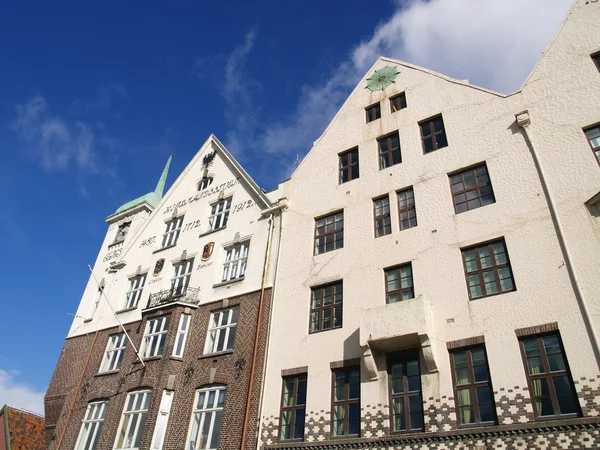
<point>241,206</point>
<point>148,241</point>
<point>155,280</point>
<point>112,255</point>
<point>202,266</point>
<point>190,226</point>
<point>200,195</point>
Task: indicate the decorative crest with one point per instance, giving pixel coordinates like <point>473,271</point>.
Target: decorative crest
<point>382,78</point>
<point>208,251</point>
<point>208,159</point>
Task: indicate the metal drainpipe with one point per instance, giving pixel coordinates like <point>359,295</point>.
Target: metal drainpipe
<point>523,120</point>
<point>257,335</point>
<point>62,435</point>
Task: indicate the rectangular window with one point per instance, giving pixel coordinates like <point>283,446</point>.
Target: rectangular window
<point>182,332</point>
<point>433,134</point>
<point>399,283</point>
<point>219,214</point>
<point>406,401</point>
<point>398,102</point>
<point>550,384</point>
<point>134,415</point>
<point>136,286</point>
<point>373,112</point>
<point>596,58</point>
<point>381,209</point>
<point>293,406</point>
<point>221,330</point>
<point>122,232</point>
<point>91,426</point>
<point>235,262</point>
<point>326,307</point>
<point>473,391</point>
<point>487,269</point>
<point>182,272</point>
<point>348,165</point>
<point>155,336</point>
<point>593,137</point>
<point>206,419</point>
<point>162,420</point>
<point>471,189</point>
<point>172,232</point>
<point>345,405</point>
<point>113,355</point>
<point>329,233</point>
<point>389,150</point>
<point>407,211</point>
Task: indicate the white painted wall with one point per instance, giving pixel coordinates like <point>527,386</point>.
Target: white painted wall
<point>245,218</point>
<point>562,97</point>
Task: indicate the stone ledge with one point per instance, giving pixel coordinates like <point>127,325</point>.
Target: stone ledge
<point>538,329</point>
<point>475,340</point>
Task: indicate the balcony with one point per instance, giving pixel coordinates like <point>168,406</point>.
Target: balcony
<point>393,327</point>
<point>187,295</point>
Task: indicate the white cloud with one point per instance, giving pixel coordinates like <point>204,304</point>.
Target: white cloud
<point>493,43</point>
<point>53,142</point>
<point>19,395</point>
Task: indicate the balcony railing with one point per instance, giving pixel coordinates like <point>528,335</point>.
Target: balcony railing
<point>180,294</point>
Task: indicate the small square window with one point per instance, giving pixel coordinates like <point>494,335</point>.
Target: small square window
<point>348,165</point>
<point>326,307</point>
<point>407,211</point>
<point>433,134</point>
<point>373,112</point>
<point>471,189</point>
<point>381,210</point>
<point>487,269</point>
<point>593,137</point>
<point>389,150</point>
<point>398,102</point>
<point>329,233</point>
<point>596,58</point>
<point>399,283</point>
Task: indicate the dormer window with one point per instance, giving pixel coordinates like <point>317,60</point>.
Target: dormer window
<point>204,183</point>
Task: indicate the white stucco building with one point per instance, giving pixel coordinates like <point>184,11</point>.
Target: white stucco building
<point>437,285</point>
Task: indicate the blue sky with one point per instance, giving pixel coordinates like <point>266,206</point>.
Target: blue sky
<point>94,96</point>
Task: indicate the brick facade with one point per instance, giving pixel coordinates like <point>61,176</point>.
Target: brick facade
<point>183,375</point>
<point>25,430</point>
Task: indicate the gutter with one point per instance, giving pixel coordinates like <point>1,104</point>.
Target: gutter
<point>6,432</point>
<point>524,121</point>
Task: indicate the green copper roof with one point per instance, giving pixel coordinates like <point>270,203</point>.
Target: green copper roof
<point>151,198</point>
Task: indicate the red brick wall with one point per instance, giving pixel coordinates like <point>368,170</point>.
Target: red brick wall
<point>2,434</point>
<point>191,372</point>
<point>26,430</point>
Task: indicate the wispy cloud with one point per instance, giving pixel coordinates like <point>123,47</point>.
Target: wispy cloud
<point>19,395</point>
<point>494,44</point>
<point>54,143</point>
<point>105,97</point>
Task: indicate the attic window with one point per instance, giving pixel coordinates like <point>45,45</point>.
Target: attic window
<point>373,112</point>
<point>398,102</point>
<point>206,182</point>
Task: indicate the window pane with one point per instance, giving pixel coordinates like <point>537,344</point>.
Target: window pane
<point>398,414</point>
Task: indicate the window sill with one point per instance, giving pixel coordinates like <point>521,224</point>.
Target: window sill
<point>110,372</point>
<point>152,358</point>
<point>206,233</point>
<point>225,283</point>
<point>125,310</point>
<point>323,331</point>
<point>215,355</point>
<point>164,248</point>
<point>88,320</point>
<point>491,295</point>
<point>176,358</point>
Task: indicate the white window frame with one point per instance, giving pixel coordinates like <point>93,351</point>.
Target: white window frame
<point>206,407</point>
<point>155,336</point>
<point>91,425</point>
<point>220,214</point>
<point>137,404</point>
<point>171,234</point>
<point>113,355</point>
<point>136,287</point>
<point>162,420</point>
<point>236,258</point>
<point>182,272</point>
<point>182,332</point>
<point>222,327</point>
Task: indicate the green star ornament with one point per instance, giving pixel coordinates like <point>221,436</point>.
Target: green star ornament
<point>382,78</point>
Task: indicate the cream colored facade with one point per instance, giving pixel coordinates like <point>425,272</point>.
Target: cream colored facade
<point>556,288</point>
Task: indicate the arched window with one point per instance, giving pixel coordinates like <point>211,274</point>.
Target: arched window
<point>206,418</point>
<point>92,425</point>
<point>204,183</point>
<point>134,415</point>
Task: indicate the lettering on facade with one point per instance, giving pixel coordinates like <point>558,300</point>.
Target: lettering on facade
<point>155,280</point>
<point>207,192</point>
<point>241,206</point>
<point>191,226</point>
<point>148,241</point>
<point>202,266</point>
<point>112,255</point>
